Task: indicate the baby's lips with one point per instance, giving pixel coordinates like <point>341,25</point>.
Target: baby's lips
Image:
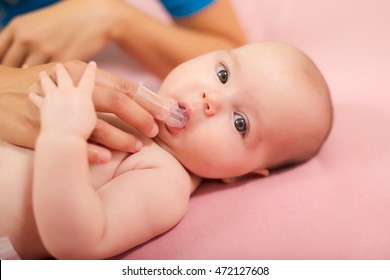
<point>174,115</point>
<point>187,109</point>
<point>173,130</point>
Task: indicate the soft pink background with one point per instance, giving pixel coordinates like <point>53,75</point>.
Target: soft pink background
<point>336,206</point>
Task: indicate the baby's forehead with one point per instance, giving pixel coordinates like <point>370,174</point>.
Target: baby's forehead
<point>261,67</point>
<point>269,48</point>
<point>288,91</point>
<point>279,79</point>
<point>272,56</point>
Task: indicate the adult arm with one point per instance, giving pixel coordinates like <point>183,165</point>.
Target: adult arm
<point>162,46</point>
<point>65,31</point>
<point>20,122</point>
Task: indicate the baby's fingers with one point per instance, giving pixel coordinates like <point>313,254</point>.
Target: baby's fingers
<point>36,99</point>
<point>87,81</point>
<point>63,77</point>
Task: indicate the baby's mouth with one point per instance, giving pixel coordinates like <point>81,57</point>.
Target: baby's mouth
<point>185,111</point>
<point>181,118</point>
<point>185,107</point>
<point>175,115</point>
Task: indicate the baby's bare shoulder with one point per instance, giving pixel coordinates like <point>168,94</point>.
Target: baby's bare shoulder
<point>153,158</point>
<point>150,190</point>
<point>154,170</point>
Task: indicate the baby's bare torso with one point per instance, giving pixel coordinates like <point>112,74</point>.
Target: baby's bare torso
<point>16,176</point>
<point>17,220</point>
<point>16,202</point>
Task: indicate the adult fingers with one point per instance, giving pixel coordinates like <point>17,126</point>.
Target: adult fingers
<point>14,55</point>
<point>98,154</point>
<point>47,83</point>
<point>115,138</point>
<point>116,102</point>
<point>5,42</point>
<point>36,58</point>
<point>36,99</point>
<point>63,78</point>
<point>103,79</point>
<point>112,94</point>
<point>108,80</point>
<point>87,81</point>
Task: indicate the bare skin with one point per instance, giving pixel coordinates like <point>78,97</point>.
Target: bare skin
<point>53,34</point>
<point>251,116</point>
<point>27,207</point>
<point>16,201</point>
<point>112,94</point>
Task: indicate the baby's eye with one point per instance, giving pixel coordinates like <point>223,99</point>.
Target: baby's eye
<point>223,74</point>
<point>240,124</point>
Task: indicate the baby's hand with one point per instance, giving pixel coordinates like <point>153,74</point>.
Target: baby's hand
<point>67,109</point>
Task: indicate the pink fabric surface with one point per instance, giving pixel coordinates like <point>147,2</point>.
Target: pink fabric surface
<point>337,205</point>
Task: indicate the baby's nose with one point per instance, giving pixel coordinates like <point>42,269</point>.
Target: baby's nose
<point>212,102</point>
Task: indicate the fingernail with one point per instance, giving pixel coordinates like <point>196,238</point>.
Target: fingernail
<point>154,131</point>
<point>138,146</point>
<point>103,156</point>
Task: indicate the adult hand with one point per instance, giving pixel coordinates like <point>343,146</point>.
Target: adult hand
<point>20,123</point>
<point>70,29</point>
<point>79,29</point>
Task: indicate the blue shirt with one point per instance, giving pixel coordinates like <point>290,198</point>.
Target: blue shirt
<point>12,8</point>
<point>177,8</point>
<point>183,8</point>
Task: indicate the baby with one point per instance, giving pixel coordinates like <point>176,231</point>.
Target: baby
<point>251,110</point>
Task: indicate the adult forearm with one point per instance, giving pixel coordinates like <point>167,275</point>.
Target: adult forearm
<point>171,46</point>
<point>162,46</point>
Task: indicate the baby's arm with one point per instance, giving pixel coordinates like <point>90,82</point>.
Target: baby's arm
<point>76,221</point>
<point>64,201</point>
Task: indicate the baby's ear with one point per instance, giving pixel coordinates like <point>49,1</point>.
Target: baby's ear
<point>229,180</point>
<point>261,172</point>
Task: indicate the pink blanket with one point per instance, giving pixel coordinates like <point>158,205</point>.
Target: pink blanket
<point>336,206</point>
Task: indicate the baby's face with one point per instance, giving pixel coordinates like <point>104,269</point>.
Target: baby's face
<point>246,106</point>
